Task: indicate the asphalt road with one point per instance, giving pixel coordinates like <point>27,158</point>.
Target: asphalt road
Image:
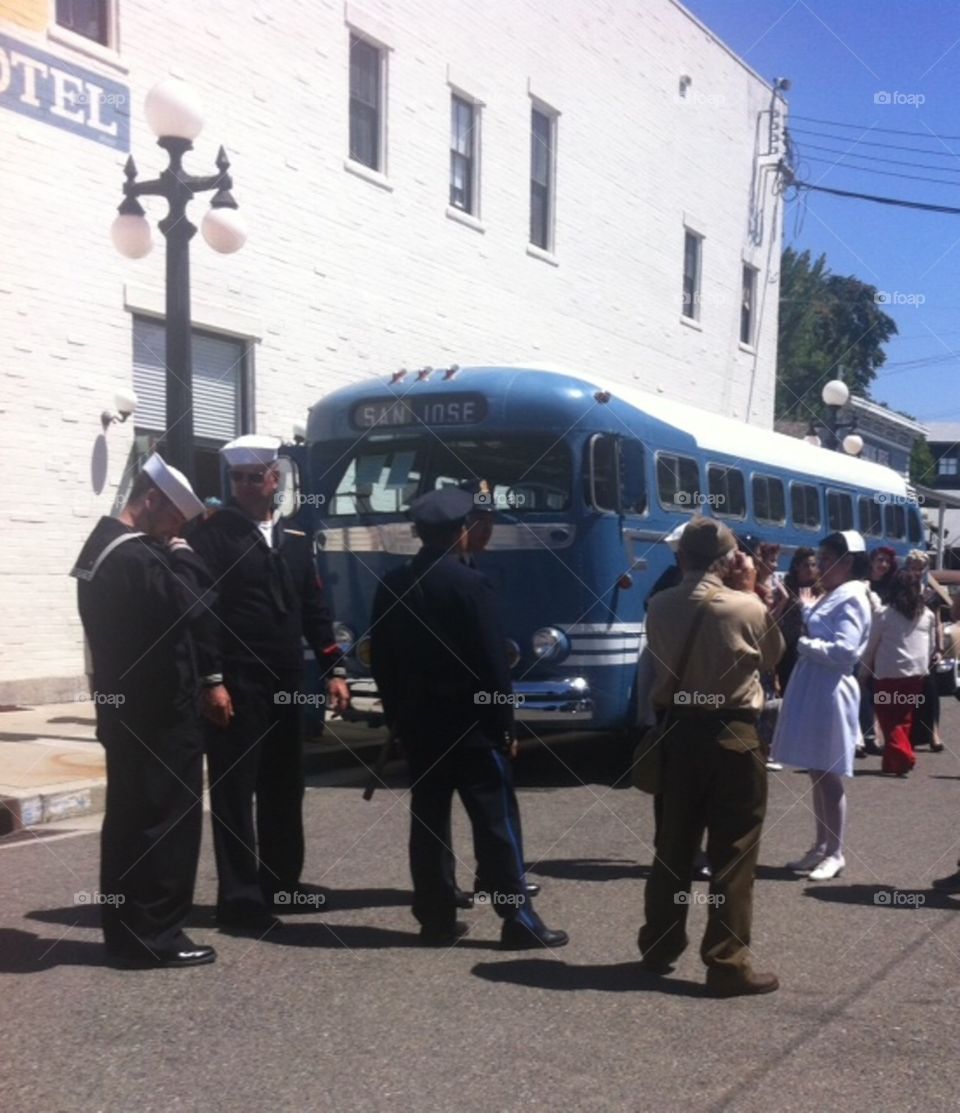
<point>340,1010</point>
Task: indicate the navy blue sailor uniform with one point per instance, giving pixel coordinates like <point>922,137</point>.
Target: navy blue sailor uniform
<point>438,657</point>
<point>141,606</point>
<point>269,599</point>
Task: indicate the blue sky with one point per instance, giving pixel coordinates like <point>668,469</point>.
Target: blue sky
<point>841,57</point>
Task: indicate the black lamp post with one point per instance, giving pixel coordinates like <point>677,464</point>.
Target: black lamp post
<point>174,116</point>
<point>832,433</point>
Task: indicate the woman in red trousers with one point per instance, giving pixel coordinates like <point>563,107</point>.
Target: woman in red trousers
<point>902,642</point>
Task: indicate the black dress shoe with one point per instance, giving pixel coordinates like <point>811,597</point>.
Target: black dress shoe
<point>656,966</point>
<point>443,936</point>
<point>462,898</point>
<point>248,923</point>
<point>527,930</point>
<point>192,955</point>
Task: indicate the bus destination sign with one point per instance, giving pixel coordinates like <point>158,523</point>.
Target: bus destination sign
<point>435,409</point>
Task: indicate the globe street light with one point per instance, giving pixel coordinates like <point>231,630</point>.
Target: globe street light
<point>173,113</point>
<point>833,433</point>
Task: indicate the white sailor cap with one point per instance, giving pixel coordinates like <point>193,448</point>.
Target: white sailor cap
<point>673,537</point>
<point>855,542</point>
<point>174,485</point>
<point>251,448</point>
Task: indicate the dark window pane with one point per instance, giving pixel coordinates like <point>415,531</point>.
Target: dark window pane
<point>726,490</point>
<point>541,162</point>
<point>691,276</point>
<point>633,477</point>
<point>914,526</point>
<point>747,305</point>
<point>678,482</point>
<point>461,155</point>
<point>768,499</point>
<point>603,472</point>
<point>364,103</point>
<point>895,521</point>
<point>871,517</point>
<point>805,506</point>
<point>84,17</point>
<point>839,511</point>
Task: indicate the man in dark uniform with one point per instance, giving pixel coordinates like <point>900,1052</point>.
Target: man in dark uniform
<point>139,596</point>
<point>439,662</point>
<point>268,599</point>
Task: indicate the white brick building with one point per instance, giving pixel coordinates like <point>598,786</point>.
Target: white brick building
<point>656,144</point>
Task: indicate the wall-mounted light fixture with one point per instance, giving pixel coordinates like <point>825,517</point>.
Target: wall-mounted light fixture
<point>126,404</point>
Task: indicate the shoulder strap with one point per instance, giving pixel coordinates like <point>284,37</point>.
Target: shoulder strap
<point>695,625</point>
<point>88,574</point>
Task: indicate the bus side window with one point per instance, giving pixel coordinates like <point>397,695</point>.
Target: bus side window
<point>839,511</point>
<point>678,482</point>
<point>805,505</point>
<point>633,477</point>
<point>727,491</point>
<point>871,517</point>
<point>895,521</point>
<point>768,499</point>
<point>914,526</point>
<point>603,481</point>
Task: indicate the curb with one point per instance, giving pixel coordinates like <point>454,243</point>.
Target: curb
<point>31,808</point>
<point>36,806</point>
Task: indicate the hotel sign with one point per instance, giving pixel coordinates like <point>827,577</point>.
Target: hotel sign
<point>55,92</point>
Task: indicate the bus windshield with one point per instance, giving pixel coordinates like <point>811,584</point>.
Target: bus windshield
<point>384,476</point>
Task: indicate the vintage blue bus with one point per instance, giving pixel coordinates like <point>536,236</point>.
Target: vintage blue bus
<point>585,482</point>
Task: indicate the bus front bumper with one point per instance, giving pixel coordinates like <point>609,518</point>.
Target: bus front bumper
<point>563,701</point>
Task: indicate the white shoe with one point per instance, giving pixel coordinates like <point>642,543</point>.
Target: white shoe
<point>774,766</point>
<point>809,861</point>
<point>829,867</point>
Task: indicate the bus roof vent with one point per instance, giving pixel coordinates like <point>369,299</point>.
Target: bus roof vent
<point>398,375</point>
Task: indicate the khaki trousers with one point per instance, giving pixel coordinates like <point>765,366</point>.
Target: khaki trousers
<point>714,778</point>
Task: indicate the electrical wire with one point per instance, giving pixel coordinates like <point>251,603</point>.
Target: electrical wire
<point>882,173</point>
<point>871,127</point>
<point>869,143</point>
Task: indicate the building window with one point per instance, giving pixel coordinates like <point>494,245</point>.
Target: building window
<point>219,393</point>
<point>748,305</point>
<point>463,154</point>
<point>366,103</point>
<point>947,465</point>
<point>691,274</point>
<point>542,140</point>
<point>89,18</point>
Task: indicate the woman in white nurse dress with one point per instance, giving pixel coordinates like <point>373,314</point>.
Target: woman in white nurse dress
<point>819,724</point>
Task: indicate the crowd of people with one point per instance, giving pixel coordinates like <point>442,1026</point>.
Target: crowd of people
<point>195,618</point>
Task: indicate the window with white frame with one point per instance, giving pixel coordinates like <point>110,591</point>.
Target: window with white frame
<point>220,393</point>
<point>692,252</point>
<point>947,465</point>
<point>748,304</point>
<point>91,19</point>
<point>464,148</point>
<point>366,103</point>
<point>543,130</point>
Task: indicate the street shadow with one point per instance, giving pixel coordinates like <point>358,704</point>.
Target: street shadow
<point>945,776</point>
<point>619,977</point>
<point>357,937</point>
<point>78,719</point>
<point>777,873</point>
<point>590,869</point>
<point>16,736</point>
<point>886,898</point>
<point>73,915</point>
<point>22,952</point>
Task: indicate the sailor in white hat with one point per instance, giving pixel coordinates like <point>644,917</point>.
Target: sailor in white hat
<point>140,595</point>
<point>269,600</point>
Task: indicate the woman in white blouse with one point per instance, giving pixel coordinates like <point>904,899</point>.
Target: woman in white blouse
<point>819,724</point>
<point>902,644</point>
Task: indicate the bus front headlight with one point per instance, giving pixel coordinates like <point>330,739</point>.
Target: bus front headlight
<point>549,644</point>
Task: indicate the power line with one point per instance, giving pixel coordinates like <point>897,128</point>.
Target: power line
<point>870,127</point>
<point>877,158</point>
<point>870,143</point>
<point>896,201</point>
<point>882,173</point>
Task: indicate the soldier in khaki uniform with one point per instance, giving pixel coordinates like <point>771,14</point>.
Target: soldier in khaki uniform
<point>714,774</point>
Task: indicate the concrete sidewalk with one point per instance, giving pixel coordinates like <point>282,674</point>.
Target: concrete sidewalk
<point>52,766</point>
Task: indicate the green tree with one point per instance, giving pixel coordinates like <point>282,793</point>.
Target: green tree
<point>923,467</point>
<point>831,327</point>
